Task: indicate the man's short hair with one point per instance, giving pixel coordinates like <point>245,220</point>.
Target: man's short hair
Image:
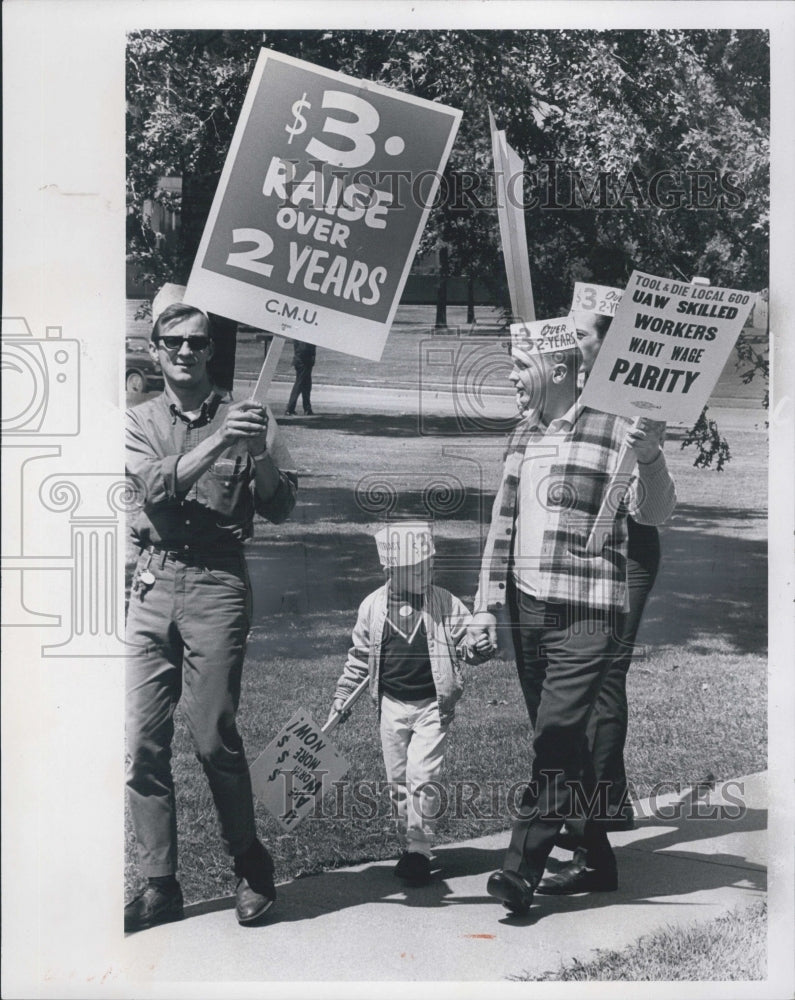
<point>176,313</point>
<point>602,324</point>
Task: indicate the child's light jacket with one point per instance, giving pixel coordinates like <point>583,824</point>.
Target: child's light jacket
<point>445,619</point>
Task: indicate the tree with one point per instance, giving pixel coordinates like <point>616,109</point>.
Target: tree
<point>600,118</point>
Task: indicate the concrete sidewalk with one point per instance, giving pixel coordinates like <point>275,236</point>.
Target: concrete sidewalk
<point>333,400</point>
<point>691,858</point>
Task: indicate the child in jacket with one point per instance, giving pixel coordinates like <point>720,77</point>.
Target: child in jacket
<point>410,637</point>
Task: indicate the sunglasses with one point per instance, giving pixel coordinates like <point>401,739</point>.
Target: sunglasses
<point>194,343</point>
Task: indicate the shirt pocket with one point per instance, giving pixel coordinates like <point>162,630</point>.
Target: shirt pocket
<point>225,482</point>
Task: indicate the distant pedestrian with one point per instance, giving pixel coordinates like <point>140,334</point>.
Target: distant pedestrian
<point>303,362</point>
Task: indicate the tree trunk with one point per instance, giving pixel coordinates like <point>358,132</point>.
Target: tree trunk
<point>441,290</point>
<point>470,301</point>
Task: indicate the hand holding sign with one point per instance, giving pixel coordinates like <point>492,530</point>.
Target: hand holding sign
<point>645,439</point>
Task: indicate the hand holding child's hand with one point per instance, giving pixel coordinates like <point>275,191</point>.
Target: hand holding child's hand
<point>483,624</point>
<point>483,645</point>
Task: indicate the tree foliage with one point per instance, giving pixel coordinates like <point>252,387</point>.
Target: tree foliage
<point>611,107</point>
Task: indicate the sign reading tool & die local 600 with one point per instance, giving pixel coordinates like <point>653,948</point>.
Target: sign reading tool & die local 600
<point>320,207</point>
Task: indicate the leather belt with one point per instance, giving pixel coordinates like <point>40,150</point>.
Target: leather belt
<point>192,556</point>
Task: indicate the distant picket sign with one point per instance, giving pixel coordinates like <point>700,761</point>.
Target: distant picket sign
<point>667,345</point>
<point>601,299</point>
<point>508,174</point>
<point>321,204</point>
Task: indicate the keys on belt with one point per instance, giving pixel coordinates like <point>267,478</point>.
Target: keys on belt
<point>144,580</point>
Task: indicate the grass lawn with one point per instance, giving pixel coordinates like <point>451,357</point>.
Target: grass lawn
<point>729,948</point>
<point>697,691</point>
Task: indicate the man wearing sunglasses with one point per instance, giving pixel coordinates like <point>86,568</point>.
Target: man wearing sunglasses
<point>203,465</point>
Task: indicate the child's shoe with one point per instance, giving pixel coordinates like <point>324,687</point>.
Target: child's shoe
<point>414,868</point>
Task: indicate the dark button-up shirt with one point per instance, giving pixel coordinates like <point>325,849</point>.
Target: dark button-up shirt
<point>216,514</point>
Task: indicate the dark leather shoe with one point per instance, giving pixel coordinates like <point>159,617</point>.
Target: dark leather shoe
<point>251,905</point>
<point>153,906</point>
<point>414,867</point>
<point>255,892</point>
<point>576,877</point>
<point>514,892</point>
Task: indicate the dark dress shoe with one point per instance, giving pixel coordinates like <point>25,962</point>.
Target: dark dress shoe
<point>309,412</point>
<point>255,892</point>
<point>414,867</point>
<point>289,413</point>
<point>251,905</point>
<point>576,877</point>
<point>153,906</point>
<point>514,892</point>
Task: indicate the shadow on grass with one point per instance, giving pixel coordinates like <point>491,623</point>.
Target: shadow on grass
<point>404,425</point>
<point>710,595</point>
<point>712,587</point>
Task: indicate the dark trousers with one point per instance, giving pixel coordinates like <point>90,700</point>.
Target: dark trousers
<point>563,652</point>
<point>301,387</point>
<point>186,640</point>
<point>607,730</point>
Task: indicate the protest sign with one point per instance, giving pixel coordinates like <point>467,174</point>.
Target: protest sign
<point>508,173</point>
<point>666,348</point>
<point>601,299</point>
<point>544,336</point>
<point>321,203</point>
<point>297,767</point>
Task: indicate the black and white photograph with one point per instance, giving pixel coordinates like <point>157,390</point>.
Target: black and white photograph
<point>413,604</point>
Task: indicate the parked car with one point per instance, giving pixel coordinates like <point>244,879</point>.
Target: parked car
<point>142,373</point>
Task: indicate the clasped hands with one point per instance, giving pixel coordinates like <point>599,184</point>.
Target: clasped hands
<point>246,421</point>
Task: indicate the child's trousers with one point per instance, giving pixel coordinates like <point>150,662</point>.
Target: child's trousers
<point>413,742</point>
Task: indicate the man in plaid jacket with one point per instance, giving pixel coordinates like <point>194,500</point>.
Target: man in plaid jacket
<point>565,605</point>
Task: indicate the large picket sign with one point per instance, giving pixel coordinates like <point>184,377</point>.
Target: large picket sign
<point>321,203</point>
<point>667,345</point>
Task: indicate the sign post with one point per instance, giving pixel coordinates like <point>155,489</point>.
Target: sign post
<point>668,343</point>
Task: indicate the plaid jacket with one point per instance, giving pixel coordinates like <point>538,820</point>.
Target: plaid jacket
<point>570,500</point>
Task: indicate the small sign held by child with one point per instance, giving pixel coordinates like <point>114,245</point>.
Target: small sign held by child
<point>297,767</point>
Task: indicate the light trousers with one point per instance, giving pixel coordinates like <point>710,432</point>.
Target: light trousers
<point>413,742</point>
